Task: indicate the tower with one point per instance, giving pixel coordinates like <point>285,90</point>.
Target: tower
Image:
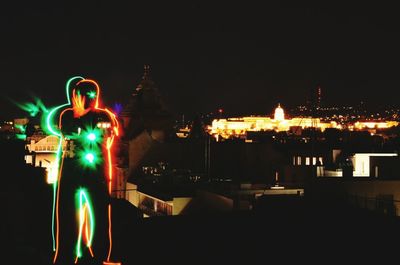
<point>318,97</point>
<point>314,99</point>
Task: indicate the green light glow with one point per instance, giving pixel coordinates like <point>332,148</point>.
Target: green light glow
<point>84,208</point>
<point>48,124</point>
<point>89,157</point>
<point>20,136</point>
<point>49,119</point>
<point>91,94</point>
<point>90,153</point>
<point>91,136</point>
<point>33,108</point>
<point>20,127</point>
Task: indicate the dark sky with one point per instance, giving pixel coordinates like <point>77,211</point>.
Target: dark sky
<point>243,57</point>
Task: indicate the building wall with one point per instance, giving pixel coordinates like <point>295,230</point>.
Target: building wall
<point>138,148</point>
<point>179,205</point>
<point>132,194</point>
<point>46,144</point>
<point>152,206</point>
<point>362,193</point>
<point>215,201</point>
<point>297,174</point>
<point>119,179</point>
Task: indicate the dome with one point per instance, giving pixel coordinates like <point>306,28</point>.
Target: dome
<point>279,114</point>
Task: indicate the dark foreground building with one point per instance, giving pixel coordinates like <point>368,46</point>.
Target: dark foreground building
<point>284,229</point>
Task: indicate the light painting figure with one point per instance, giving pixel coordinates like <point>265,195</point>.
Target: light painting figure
<point>82,215</point>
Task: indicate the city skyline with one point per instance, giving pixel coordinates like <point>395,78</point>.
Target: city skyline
<point>244,59</point>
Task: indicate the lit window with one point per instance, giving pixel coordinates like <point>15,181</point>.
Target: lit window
<point>314,160</point>
<point>299,160</point>
<point>307,161</point>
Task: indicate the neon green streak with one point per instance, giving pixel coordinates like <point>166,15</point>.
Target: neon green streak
<point>20,136</point>
<point>20,127</point>
<point>51,113</point>
<point>84,201</point>
<point>50,130</point>
<point>91,94</point>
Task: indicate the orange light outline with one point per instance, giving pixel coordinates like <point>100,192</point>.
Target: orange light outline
<point>78,103</point>
<point>57,207</point>
<point>111,263</point>
<point>109,143</point>
<point>96,105</point>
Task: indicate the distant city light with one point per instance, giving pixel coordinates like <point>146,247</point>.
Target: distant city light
<point>238,127</point>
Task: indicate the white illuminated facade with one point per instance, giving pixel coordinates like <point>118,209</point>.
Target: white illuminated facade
<point>237,127</point>
<point>374,125</point>
<point>361,163</point>
<point>42,153</point>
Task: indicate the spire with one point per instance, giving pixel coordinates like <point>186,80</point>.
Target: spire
<point>146,82</point>
<point>146,73</point>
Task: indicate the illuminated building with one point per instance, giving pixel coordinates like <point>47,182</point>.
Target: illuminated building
<point>360,164</point>
<point>42,153</point>
<point>183,132</point>
<point>374,124</point>
<point>279,114</point>
<point>153,206</point>
<point>238,127</point>
<point>21,121</point>
<point>363,164</point>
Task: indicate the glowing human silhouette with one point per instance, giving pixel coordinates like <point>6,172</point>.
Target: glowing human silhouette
<point>84,184</point>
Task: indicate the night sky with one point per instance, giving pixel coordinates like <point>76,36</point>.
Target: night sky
<point>242,57</point>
